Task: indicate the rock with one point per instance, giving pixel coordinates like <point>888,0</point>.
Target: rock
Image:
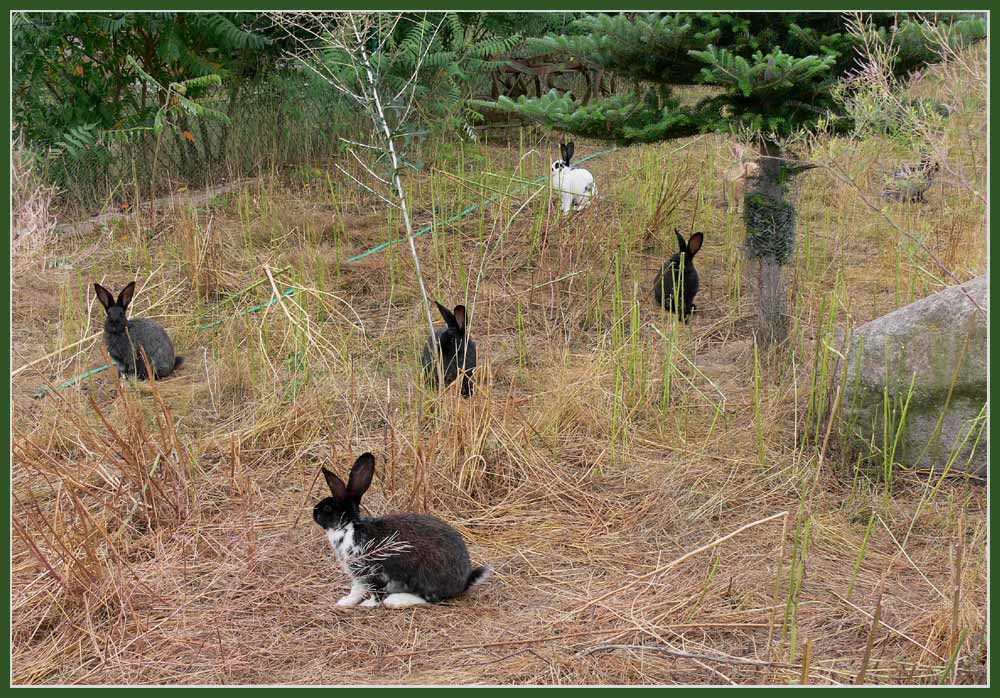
<point>922,343</point>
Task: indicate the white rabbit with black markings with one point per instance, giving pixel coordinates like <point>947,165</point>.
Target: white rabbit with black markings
<point>575,185</point>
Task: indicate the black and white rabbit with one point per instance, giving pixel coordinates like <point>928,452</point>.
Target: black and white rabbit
<point>123,337</point>
<point>457,351</point>
<point>575,185</point>
<point>398,560</point>
<point>663,288</point>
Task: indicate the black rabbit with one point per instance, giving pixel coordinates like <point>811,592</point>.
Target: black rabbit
<point>397,560</point>
<point>123,338</point>
<point>681,299</point>
<point>457,351</point>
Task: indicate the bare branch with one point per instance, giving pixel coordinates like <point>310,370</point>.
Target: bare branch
<point>364,186</point>
<point>318,38</point>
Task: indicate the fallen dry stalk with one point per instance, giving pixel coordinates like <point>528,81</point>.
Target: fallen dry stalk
<point>506,643</point>
<point>57,352</point>
<point>568,636</point>
<point>682,558</point>
<point>888,627</point>
<point>691,655</point>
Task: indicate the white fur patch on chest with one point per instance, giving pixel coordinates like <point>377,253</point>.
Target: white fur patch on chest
<point>342,542</point>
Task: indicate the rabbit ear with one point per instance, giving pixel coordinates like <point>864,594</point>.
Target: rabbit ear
<point>682,246</point>
<point>104,296</point>
<point>562,151</point>
<point>336,485</point>
<point>361,475</point>
<point>125,297</point>
<point>569,152</point>
<point>460,317</point>
<point>447,315</point>
<point>694,244</point>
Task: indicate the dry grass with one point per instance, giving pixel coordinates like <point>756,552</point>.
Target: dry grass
<point>32,209</point>
<point>162,532</point>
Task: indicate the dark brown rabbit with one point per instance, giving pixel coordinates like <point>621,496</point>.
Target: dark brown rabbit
<point>457,351</point>
<point>677,283</point>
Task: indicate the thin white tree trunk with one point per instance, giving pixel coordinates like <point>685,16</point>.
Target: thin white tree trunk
<point>401,195</point>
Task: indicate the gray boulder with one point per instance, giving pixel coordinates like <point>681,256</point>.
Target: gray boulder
<point>938,345</point>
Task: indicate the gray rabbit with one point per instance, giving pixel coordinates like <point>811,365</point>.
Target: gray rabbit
<point>123,338</point>
<point>457,351</point>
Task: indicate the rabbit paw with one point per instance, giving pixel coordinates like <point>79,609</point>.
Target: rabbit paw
<point>403,600</point>
<point>349,600</point>
<point>358,593</point>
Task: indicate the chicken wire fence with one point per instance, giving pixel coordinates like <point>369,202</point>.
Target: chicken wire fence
<point>271,125</point>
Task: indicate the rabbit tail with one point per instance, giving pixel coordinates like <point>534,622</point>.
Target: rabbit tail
<point>478,576</point>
